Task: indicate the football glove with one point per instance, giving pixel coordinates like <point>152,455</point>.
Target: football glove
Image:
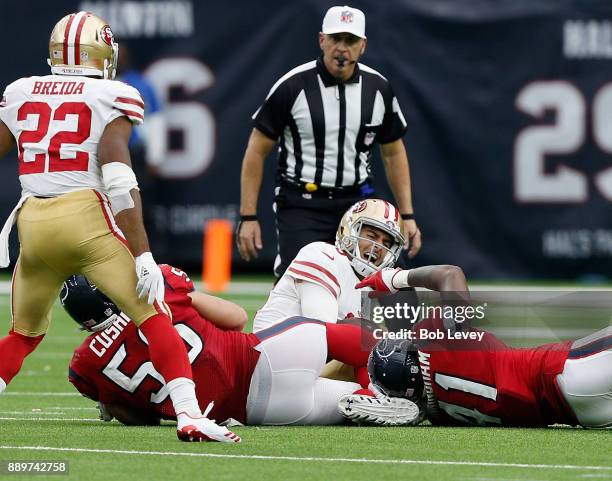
<point>380,281</point>
<point>150,278</point>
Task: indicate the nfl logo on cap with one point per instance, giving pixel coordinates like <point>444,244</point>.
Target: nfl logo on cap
<point>344,20</point>
<point>346,16</point>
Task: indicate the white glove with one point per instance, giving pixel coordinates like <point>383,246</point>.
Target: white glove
<point>150,278</point>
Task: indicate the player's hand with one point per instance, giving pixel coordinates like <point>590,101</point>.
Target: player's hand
<point>248,238</point>
<point>413,237</point>
<point>380,281</point>
<point>150,278</point>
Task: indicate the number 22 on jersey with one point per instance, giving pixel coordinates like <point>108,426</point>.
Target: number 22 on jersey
<point>49,148</point>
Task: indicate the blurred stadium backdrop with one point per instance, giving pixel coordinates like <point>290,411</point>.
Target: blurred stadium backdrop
<point>509,106</point>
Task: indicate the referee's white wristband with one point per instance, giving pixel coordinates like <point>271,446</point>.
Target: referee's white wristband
<point>400,279</point>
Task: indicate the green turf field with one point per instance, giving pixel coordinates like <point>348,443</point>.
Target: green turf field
<point>42,417</point>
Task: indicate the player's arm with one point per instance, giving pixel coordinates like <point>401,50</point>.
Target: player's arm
<point>248,235</point>
<point>127,206</point>
<point>397,170</point>
<point>7,141</point>
<point>122,188</point>
<point>316,301</point>
<point>441,278</point>
<point>224,314</point>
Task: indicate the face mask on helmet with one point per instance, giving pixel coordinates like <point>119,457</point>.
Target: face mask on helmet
<point>87,305</point>
<point>380,215</point>
<point>394,368</point>
<point>83,44</point>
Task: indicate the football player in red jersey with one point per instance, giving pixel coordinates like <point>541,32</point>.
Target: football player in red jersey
<point>482,381</point>
<point>271,377</point>
<point>80,207</point>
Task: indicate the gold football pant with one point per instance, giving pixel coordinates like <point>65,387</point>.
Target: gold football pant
<point>74,233</point>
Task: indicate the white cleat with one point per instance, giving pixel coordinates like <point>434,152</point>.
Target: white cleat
<point>197,429</point>
<point>384,411</point>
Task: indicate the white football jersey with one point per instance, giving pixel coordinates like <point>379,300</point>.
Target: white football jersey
<point>323,264</point>
<point>57,122</point>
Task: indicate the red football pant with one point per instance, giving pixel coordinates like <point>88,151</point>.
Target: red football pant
<point>166,348</point>
<point>13,350</point>
<point>351,345</point>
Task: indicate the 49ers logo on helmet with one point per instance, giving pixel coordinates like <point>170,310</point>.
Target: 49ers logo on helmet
<point>360,207</point>
<point>107,35</point>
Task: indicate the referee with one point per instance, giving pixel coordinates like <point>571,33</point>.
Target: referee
<point>327,115</point>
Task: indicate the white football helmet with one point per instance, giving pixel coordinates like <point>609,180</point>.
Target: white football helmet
<point>375,213</point>
<point>83,44</point>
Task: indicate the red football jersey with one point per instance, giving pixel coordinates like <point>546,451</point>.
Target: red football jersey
<point>484,381</point>
<point>113,366</point>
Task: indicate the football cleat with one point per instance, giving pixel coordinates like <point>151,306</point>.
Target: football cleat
<point>383,411</point>
<point>196,429</point>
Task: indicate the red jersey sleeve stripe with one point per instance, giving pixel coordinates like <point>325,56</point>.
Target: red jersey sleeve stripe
<point>321,269</point>
<point>314,278</point>
<point>131,101</point>
<point>131,113</point>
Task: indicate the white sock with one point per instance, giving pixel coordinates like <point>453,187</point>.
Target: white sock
<point>2,385</point>
<point>182,393</point>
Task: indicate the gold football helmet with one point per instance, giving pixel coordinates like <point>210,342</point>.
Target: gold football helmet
<point>375,213</point>
<point>83,44</point>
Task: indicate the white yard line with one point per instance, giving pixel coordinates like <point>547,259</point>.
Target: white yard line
<point>61,408</point>
<point>315,459</point>
<point>89,420</point>
<point>33,413</point>
<point>22,393</point>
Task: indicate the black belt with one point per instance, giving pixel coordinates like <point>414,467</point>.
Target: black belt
<point>319,191</point>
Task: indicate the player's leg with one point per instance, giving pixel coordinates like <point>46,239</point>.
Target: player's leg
<point>351,345</point>
<point>34,289</point>
<point>327,393</point>
<point>107,262</point>
<point>293,353</point>
<point>36,281</point>
<point>586,380</point>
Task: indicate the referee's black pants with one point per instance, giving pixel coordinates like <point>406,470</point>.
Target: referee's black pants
<point>303,217</point>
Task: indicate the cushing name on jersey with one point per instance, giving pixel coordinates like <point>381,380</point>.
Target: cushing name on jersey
<point>101,342</point>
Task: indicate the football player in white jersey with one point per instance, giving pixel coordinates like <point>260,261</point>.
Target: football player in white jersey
<point>320,282</point>
<point>80,209</point>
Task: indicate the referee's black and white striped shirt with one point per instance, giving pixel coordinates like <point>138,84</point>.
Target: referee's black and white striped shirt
<point>328,130</point>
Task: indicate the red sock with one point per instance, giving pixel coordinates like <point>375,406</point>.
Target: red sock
<point>351,345</point>
<point>13,350</point>
<point>166,348</point>
<point>365,392</point>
